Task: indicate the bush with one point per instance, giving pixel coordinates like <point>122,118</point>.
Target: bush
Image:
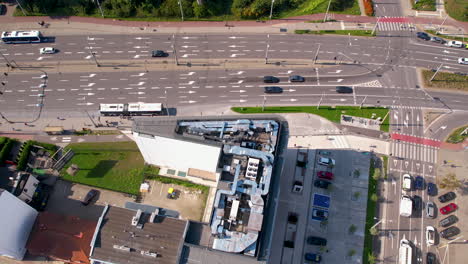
<point>7,144</point>
<point>368,7</point>
<point>23,156</point>
<point>184,183</point>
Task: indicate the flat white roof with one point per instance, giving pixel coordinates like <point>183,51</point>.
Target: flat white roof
<point>144,107</point>
<point>20,33</point>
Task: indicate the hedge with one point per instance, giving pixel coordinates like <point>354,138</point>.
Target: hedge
<point>8,143</point>
<point>23,158</point>
<point>47,146</point>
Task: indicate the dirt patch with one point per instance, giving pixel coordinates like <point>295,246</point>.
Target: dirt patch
<point>190,203</point>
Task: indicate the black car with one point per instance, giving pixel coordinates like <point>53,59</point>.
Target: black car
<point>450,232</point>
<point>423,35</point>
<point>321,184</point>
<point>449,220</point>
<point>90,196</point>
<point>419,183</point>
<point>318,241</point>
<point>273,89</point>
<point>158,53</point>
<point>270,79</point>
<point>344,89</point>
<point>447,197</point>
<point>438,40</point>
<point>296,78</point>
<point>417,203</point>
<point>431,189</point>
<point>2,9</point>
<point>431,258</point>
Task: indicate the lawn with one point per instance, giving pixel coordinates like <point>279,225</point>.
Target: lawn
<point>319,6</point>
<point>362,33</point>
<point>457,9</point>
<point>331,113</point>
<point>116,166</point>
<point>456,136</point>
<point>445,80</point>
<point>370,214</point>
<point>424,5</point>
<point>433,32</point>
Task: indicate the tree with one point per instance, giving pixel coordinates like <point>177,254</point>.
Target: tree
<point>371,258</point>
<point>374,197</point>
<point>373,231</point>
<point>377,174</point>
<point>450,182</point>
<point>352,228</point>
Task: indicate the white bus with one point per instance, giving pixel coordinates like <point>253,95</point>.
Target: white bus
<point>405,252</point>
<point>406,206</point>
<point>20,36</point>
<point>130,109</point>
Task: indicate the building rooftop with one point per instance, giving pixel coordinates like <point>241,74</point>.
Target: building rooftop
<point>117,240</point>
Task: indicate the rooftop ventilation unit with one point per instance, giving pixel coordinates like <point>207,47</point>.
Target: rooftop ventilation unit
<point>153,215</point>
<point>123,248</point>
<point>149,253</point>
<point>252,166</point>
<point>136,218</point>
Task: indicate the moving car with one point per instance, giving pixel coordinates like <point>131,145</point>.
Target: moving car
<point>447,197</point>
<point>430,209</point>
<point>90,196</point>
<point>448,221</point>
<point>270,79</point>
<point>321,184</point>
<point>423,35</point>
<point>318,241</point>
<point>419,183</point>
<point>315,258</point>
<point>431,189</point>
<point>273,89</point>
<point>430,258</point>
<point>407,182</point>
<point>159,53</point>
<point>325,175</point>
<point>296,78</point>
<point>47,50</point>
<point>320,214</point>
<point>455,44</point>
<point>448,208</point>
<point>450,232</point>
<point>463,60</point>
<point>344,89</point>
<point>326,161</point>
<point>438,40</point>
<point>430,235</point>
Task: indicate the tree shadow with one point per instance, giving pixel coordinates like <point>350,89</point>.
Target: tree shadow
<point>101,168</point>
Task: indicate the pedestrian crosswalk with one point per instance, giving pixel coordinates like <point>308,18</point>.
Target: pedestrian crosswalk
<point>413,151</point>
<point>339,142</point>
<point>395,26</point>
<point>374,83</point>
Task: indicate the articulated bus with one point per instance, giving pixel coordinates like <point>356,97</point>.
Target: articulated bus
<point>13,37</point>
<point>130,109</point>
<point>405,252</point>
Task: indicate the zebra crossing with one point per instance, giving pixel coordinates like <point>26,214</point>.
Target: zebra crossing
<point>395,26</point>
<point>374,83</point>
<point>339,142</point>
<point>413,151</point>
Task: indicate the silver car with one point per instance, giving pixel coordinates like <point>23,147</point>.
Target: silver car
<point>430,209</point>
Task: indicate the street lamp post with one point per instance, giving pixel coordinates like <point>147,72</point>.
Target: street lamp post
<point>99,6</point>
<point>21,7</point>
<point>271,9</point>
<point>181,10</point>
<point>326,13</point>
<point>438,69</point>
<point>316,54</point>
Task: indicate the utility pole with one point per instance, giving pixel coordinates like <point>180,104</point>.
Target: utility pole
<point>181,10</point>
<point>21,7</point>
<point>363,100</point>
<point>99,6</point>
<point>264,101</point>
<point>316,54</point>
<point>433,76</point>
<point>375,27</point>
<point>326,13</point>
<point>440,27</point>
<point>318,104</point>
<point>165,98</point>
<point>271,9</point>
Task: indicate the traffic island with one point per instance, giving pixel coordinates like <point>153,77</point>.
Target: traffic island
<point>445,80</point>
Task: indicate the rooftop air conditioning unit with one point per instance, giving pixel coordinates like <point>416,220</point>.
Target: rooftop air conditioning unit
<point>136,218</point>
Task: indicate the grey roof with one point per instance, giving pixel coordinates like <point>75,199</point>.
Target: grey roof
<point>165,236</point>
<point>197,254</point>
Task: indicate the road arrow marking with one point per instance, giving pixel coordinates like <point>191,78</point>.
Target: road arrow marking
<point>395,162</point>
<point>186,55</point>
<point>189,74</point>
<point>240,81</point>
<point>234,37</point>
<point>446,51</point>
<point>337,71</point>
<point>188,102</point>
<point>234,46</point>
<point>290,90</point>
<point>140,47</point>
<point>140,38</point>
<point>430,168</point>
<point>237,73</point>
<point>189,37</point>
<point>185,47</point>
<point>138,84</point>
<point>236,54</point>
<point>406,164</point>
<point>443,127</point>
<point>88,85</point>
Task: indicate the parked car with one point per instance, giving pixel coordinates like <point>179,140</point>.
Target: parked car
<point>90,196</point>
<point>321,184</point>
<point>431,258</point>
<point>3,9</point>
<point>417,203</point>
<point>431,189</point>
<point>407,182</point>
<point>273,89</point>
<point>315,258</point>
<point>318,241</point>
<point>159,53</point>
<point>47,50</point>
<point>270,79</point>
<point>344,89</point>
<point>320,214</point>
<point>430,235</point>
<point>451,207</point>
<point>447,197</point>
<point>419,183</point>
<point>450,232</point>
<point>326,161</point>
<point>448,221</point>
<point>296,78</point>
<point>463,60</point>
<point>454,44</point>
<point>325,175</point>
<point>325,153</point>
<point>438,40</point>
<point>430,209</point>
<point>423,35</point>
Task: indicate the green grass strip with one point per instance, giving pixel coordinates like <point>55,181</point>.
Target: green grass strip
<point>362,33</point>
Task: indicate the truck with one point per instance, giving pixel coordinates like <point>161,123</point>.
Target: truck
<point>405,255</point>
<point>406,206</point>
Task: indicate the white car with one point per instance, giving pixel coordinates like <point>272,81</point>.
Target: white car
<point>430,235</point>
<point>454,43</point>
<point>47,50</point>
<point>463,60</point>
<point>326,161</point>
<point>407,182</point>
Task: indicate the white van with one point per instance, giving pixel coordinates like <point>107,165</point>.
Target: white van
<point>407,182</point>
<point>455,44</point>
<point>406,206</point>
<point>405,252</point>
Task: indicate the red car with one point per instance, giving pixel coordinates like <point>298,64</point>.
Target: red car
<point>448,208</point>
<point>325,175</point>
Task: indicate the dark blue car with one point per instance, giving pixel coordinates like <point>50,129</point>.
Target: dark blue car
<point>419,183</point>
<point>315,258</point>
<point>431,189</point>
